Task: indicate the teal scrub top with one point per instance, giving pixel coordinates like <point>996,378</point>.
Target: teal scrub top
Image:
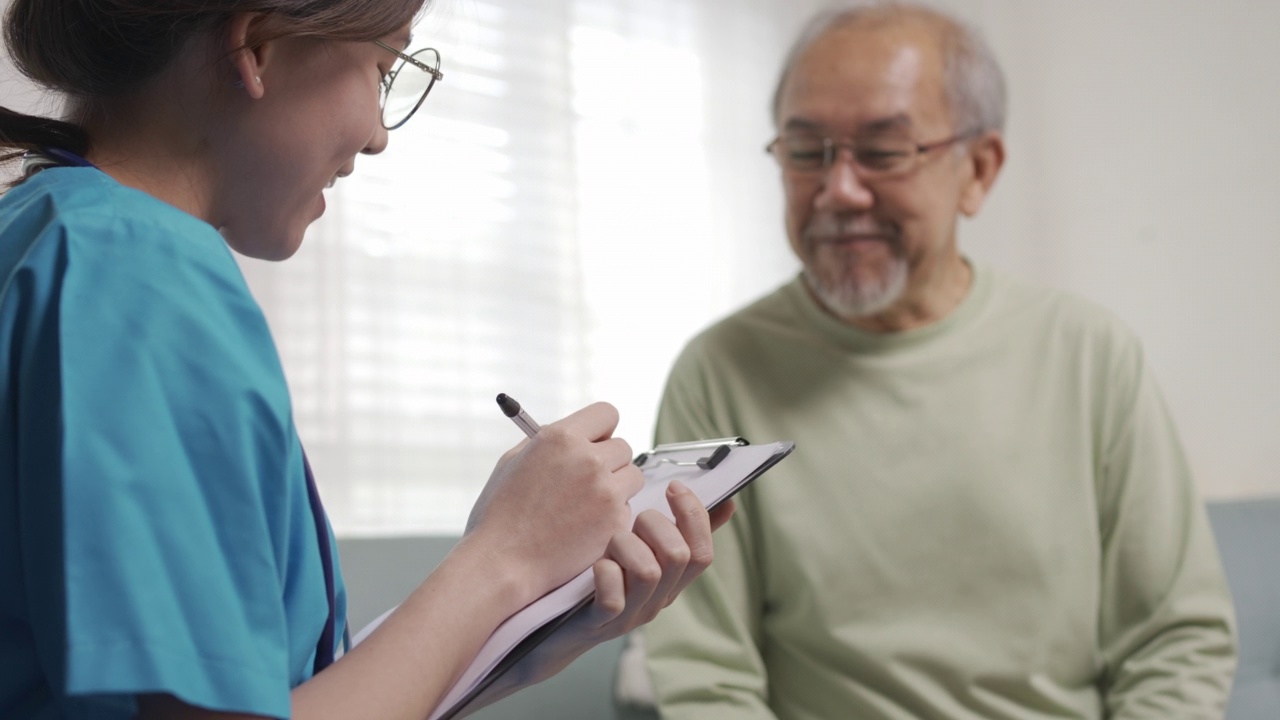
<point>155,529</point>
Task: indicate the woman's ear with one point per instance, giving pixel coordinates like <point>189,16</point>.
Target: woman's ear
<point>987,156</point>
<point>247,61</point>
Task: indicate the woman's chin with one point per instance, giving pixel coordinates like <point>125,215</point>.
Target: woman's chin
<point>271,247</point>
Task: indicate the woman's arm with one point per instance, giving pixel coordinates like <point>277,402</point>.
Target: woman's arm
<point>552,505</point>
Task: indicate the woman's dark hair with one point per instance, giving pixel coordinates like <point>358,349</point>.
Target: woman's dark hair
<point>95,50</point>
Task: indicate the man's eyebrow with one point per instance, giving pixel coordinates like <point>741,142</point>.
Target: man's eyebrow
<point>881,125</point>
<point>802,124</point>
<point>871,127</point>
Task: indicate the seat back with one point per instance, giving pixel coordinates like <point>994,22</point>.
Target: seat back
<point>1248,535</point>
<point>381,572</point>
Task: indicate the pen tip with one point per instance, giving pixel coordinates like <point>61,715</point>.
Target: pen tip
<point>509,406</point>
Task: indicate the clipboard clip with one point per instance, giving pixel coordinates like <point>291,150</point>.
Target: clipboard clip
<point>719,451</point>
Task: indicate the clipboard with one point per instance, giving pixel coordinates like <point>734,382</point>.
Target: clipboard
<point>714,470</point>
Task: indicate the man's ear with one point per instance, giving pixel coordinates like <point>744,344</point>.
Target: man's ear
<point>987,157</point>
<point>248,61</point>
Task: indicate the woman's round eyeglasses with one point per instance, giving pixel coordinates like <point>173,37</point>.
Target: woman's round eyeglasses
<point>407,85</point>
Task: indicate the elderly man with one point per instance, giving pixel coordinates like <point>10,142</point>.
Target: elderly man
<point>988,514</point>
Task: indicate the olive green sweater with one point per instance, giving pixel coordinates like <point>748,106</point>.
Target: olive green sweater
<point>990,517</point>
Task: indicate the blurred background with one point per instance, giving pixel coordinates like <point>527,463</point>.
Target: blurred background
<point>587,189</point>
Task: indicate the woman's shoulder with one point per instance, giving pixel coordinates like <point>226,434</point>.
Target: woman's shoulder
<point>80,221</point>
<point>85,252</point>
<point>85,205</point>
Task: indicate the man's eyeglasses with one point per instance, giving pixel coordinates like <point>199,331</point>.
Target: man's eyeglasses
<point>874,158</point>
<point>407,85</point>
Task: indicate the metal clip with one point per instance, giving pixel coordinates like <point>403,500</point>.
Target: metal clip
<point>706,463</point>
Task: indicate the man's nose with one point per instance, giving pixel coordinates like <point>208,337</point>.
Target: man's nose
<point>842,189</point>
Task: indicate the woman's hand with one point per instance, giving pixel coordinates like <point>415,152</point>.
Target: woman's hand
<point>554,501</point>
<point>641,573</point>
<point>644,570</point>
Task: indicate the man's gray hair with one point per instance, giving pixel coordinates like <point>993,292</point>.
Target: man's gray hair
<point>975,86</point>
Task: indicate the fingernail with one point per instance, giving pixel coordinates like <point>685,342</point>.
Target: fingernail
<point>676,486</point>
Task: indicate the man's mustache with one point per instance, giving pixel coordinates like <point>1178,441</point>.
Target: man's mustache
<point>826,228</point>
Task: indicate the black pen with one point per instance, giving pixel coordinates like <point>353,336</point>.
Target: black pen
<point>511,409</point>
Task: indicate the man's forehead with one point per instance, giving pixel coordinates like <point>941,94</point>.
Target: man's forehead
<point>877,79</point>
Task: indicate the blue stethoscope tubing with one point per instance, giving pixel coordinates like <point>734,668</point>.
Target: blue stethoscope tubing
<point>325,649</point>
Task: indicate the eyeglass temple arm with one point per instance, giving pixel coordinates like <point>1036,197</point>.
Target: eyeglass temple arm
<point>960,137</point>
<point>435,72</point>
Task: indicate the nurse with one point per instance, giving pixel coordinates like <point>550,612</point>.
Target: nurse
<point>163,552</point>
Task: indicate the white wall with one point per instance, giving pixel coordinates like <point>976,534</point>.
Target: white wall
<point>1144,172</point>
<point>18,94</point>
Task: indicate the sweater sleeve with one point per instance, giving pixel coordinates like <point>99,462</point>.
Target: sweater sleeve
<point>1166,616</point>
<point>704,650</point>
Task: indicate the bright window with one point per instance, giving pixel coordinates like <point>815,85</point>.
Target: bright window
<point>548,225</point>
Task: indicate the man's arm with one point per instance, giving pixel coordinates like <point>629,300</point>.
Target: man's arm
<point>1166,624</point>
<point>703,652</point>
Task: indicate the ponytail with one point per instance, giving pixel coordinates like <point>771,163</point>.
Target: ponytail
<point>21,133</point>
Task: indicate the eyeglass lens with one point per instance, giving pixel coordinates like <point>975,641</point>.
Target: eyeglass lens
<point>407,87</point>
<point>812,152</point>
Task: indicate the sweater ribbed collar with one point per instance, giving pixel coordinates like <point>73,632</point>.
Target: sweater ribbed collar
<point>846,336</point>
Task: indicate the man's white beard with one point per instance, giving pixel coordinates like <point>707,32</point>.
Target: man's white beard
<point>833,272</point>
<point>847,297</point>
<point>836,274</point>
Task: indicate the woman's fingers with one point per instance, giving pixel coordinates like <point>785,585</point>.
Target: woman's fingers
<point>644,570</point>
<point>595,422</point>
<point>721,514</point>
<point>694,526</point>
<point>626,603</point>
<point>616,453</point>
<point>671,550</point>
<point>611,592</point>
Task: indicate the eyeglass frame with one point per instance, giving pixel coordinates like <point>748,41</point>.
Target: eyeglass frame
<point>434,72</point>
<point>831,149</point>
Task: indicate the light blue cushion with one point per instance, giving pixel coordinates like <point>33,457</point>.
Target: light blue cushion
<point>381,572</point>
<point>1248,534</point>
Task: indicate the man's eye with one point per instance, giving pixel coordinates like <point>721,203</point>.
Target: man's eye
<point>806,155</point>
<point>804,151</point>
<point>880,157</point>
